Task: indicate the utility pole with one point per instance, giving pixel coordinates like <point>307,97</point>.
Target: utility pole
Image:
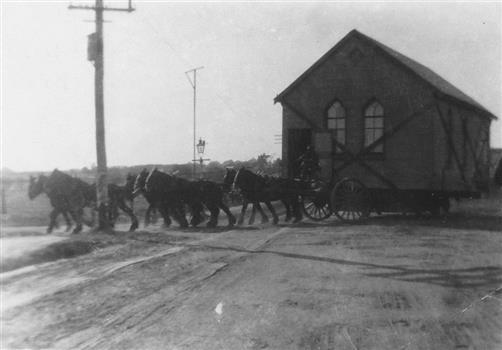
<point>96,54</point>
<point>194,86</point>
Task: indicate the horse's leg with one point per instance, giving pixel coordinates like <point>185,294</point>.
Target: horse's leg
<point>245,203</point>
<point>67,219</point>
<point>113,212</point>
<point>134,220</point>
<point>231,218</point>
<point>296,210</point>
<point>148,212</point>
<point>52,220</point>
<point>182,218</point>
<point>89,223</point>
<point>196,209</point>
<point>179,215</point>
<point>93,214</point>
<point>76,214</point>
<point>272,210</point>
<point>288,210</point>
<point>264,217</point>
<point>215,211</point>
<point>163,208</point>
<point>115,205</point>
<point>56,223</point>
<point>253,214</point>
<point>153,216</point>
<point>165,216</point>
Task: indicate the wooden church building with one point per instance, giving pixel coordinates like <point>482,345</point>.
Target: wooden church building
<point>376,115</point>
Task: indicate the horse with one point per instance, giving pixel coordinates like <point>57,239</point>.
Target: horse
<point>191,193</point>
<point>35,188</point>
<point>268,189</point>
<point>228,181</point>
<point>129,194</point>
<point>70,195</point>
<point>66,194</point>
<point>118,197</point>
<point>166,200</point>
<point>154,199</point>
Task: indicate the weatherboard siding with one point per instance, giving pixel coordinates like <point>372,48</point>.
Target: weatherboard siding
<point>407,159</point>
<point>359,69</point>
<point>447,173</point>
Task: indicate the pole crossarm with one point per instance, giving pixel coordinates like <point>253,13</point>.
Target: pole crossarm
<point>200,160</point>
<point>102,8</point>
<point>194,70</point>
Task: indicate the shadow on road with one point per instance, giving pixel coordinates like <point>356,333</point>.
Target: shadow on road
<point>60,250</point>
<point>460,221</point>
<point>454,221</point>
<point>485,276</point>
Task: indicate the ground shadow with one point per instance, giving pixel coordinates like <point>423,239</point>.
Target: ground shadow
<point>482,276</point>
<point>55,251</point>
<point>460,221</point>
<point>220,229</point>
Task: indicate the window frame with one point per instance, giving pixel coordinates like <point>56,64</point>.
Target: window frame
<point>334,131</point>
<point>365,113</point>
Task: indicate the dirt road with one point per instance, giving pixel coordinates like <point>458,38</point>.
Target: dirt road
<point>390,283</point>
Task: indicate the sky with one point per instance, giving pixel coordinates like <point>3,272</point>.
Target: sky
<point>250,51</point>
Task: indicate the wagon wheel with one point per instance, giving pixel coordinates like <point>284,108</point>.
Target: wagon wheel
<point>350,200</point>
<point>316,204</point>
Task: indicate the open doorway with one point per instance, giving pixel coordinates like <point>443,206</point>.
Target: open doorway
<point>298,140</point>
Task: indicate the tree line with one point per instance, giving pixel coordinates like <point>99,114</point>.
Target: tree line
<point>214,170</point>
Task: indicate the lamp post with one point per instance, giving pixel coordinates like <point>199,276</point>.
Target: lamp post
<point>194,86</point>
<point>200,150</point>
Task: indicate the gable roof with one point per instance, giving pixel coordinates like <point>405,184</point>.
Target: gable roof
<point>442,86</point>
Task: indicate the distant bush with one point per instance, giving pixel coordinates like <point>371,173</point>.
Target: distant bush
<point>20,210</point>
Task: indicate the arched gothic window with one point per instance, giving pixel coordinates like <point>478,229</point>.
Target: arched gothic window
<point>336,122</point>
<point>374,125</point>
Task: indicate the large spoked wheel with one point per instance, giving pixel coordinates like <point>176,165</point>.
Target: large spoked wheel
<point>350,200</point>
<point>316,207</point>
<point>316,204</point>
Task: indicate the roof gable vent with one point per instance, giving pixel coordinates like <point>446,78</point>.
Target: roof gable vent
<point>356,56</point>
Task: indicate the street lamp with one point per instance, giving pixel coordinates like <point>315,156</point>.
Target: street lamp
<point>200,146</point>
<point>200,149</point>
